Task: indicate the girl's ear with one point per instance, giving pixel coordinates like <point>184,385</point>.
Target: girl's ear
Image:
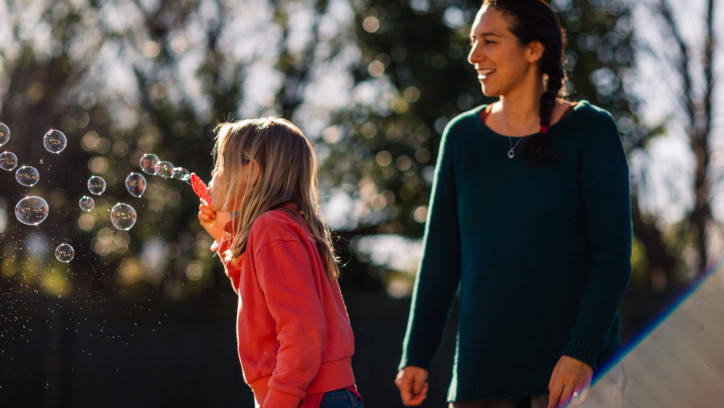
<point>535,51</point>
<point>255,169</point>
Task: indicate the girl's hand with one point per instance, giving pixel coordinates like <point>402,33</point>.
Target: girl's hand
<point>412,382</point>
<point>570,382</point>
<point>213,221</point>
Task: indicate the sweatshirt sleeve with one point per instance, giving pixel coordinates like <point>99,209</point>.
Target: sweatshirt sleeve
<point>604,180</point>
<point>439,273</point>
<point>284,270</point>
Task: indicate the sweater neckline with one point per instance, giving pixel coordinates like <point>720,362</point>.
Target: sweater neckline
<point>479,121</point>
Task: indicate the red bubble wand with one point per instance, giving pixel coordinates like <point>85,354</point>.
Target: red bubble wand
<point>200,188</point>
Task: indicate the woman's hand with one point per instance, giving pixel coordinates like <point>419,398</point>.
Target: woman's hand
<point>213,221</point>
<point>570,382</point>
<point>412,383</point>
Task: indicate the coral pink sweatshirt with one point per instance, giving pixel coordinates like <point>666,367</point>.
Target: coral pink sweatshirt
<point>293,332</point>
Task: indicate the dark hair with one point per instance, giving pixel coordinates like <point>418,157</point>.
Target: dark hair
<point>534,20</point>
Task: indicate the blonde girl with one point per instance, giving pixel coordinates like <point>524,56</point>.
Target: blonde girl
<point>294,337</point>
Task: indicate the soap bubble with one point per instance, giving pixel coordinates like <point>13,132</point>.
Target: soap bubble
<point>180,173</point>
<point>27,176</point>
<point>54,141</point>
<point>8,161</point>
<point>96,185</point>
<point>148,163</point>
<point>164,169</point>
<point>4,133</point>
<point>136,184</point>
<point>64,253</point>
<point>86,203</point>
<point>31,210</point>
<point>123,216</point>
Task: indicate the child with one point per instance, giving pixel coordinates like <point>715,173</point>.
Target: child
<point>294,336</point>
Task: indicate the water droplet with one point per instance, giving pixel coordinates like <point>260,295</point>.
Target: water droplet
<point>180,173</point>
<point>86,203</point>
<point>31,210</point>
<point>96,185</point>
<point>27,176</point>
<point>164,169</point>
<point>64,253</point>
<point>148,163</point>
<point>123,216</point>
<point>54,141</point>
<point>8,161</point>
<point>136,184</point>
<point>4,133</point>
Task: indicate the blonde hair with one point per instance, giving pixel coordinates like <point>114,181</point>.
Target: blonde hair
<point>288,174</point>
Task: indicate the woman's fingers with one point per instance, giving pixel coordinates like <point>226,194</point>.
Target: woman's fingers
<point>569,382</point>
<point>412,384</point>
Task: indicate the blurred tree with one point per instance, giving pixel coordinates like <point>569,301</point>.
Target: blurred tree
<point>372,83</point>
<point>687,249</point>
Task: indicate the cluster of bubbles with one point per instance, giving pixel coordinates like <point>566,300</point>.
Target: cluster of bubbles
<point>33,210</point>
<point>123,216</point>
<point>151,165</point>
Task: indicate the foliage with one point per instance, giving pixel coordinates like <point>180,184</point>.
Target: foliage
<point>371,82</point>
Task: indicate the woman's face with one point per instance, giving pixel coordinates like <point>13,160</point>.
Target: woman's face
<point>502,63</point>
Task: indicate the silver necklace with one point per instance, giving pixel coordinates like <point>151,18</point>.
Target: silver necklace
<point>511,151</point>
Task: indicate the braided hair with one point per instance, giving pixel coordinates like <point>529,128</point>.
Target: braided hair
<point>534,20</point>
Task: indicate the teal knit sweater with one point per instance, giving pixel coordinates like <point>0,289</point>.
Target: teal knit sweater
<point>540,255</point>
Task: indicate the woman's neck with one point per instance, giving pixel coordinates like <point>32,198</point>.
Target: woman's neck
<point>520,111</point>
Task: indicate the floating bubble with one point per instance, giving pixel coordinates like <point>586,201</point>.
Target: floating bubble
<point>96,185</point>
<point>64,253</point>
<point>164,169</point>
<point>123,216</point>
<point>54,141</point>
<point>180,173</point>
<point>27,176</point>
<point>86,203</point>
<point>136,184</point>
<point>8,161</point>
<point>4,133</point>
<point>148,163</point>
<point>31,210</point>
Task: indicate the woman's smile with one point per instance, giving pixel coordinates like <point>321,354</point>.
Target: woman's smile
<point>484,73</point>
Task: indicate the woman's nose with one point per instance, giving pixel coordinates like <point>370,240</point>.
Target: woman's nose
<point>474,56</point>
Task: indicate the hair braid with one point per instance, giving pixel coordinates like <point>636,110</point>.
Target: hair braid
<point>539,149</point>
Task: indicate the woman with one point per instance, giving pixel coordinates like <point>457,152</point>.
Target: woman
<point>530,221</point>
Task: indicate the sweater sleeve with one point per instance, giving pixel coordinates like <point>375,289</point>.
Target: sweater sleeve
<point>604,180</point>
<point>439,273</point>
<point>284,270</point>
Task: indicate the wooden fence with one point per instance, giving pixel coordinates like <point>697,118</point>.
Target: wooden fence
<point>132,353</point>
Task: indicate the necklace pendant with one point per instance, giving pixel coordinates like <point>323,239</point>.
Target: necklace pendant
<point>511,153</point>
